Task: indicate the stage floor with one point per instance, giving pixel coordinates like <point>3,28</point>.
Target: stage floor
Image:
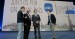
<point>44,35</point>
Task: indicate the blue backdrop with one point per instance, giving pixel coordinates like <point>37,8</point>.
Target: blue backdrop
<point>1,12</point>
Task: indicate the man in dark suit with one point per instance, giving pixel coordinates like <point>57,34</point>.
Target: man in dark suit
<point>20,22</point>
<point>27,24</point>
<point>52,23</point>
<point>36,23</point>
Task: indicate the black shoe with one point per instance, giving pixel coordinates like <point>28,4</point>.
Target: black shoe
<point>54,38</point>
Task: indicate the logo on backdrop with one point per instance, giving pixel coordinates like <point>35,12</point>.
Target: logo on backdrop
<point>48,6</point>
<point>70,12</point>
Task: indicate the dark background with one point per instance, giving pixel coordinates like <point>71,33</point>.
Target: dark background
<point>2,7</point>
<point>1,12</point>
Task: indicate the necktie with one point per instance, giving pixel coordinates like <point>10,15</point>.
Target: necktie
<point>50,17</point>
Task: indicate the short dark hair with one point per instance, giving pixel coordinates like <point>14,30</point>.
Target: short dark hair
<point>35,9</point>
<point>27,11</point>
<point>22,7</point>
<point>49,10</point>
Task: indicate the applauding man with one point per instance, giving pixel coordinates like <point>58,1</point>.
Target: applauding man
<point>27,24</point>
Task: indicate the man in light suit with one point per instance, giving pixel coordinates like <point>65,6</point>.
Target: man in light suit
<point>52,23</point>
<point>36,23</point>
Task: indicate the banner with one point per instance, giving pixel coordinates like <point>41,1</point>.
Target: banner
<point>58,8</point>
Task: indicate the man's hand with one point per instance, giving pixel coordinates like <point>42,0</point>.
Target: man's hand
<point>26,17</point>
<point>37,22</point>
<point>25,24</point>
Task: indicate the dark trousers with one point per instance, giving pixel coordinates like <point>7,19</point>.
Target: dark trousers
<point>26,31</point>
<point>37,27</point>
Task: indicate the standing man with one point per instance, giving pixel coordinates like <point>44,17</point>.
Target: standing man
<point>52,23</point>
<point>36,23</point>
<point>20,22</point>
<point>27,24</point>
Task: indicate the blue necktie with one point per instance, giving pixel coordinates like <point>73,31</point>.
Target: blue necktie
<point>50,17</point>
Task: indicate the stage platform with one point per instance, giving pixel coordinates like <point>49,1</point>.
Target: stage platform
<point>44,35</point>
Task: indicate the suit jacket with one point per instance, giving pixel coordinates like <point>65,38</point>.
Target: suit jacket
<point>19,16</point>
<point>35,19</point>
<point>53,19</point>
<point>27,20</point>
